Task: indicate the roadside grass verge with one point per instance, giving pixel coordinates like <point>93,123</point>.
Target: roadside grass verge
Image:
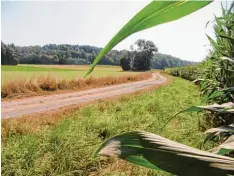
<point>65,148</point>
<point>41,85</point>
<point>35,122</point>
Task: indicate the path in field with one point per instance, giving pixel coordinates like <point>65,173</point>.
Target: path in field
<point>40,104</point>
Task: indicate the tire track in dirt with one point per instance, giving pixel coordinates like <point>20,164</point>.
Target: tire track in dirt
<point>40,104</point>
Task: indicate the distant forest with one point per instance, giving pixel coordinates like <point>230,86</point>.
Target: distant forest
<point>79,54</point>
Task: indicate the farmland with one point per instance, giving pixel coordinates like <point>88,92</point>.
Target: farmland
<point>11,73</point>
<point>21,81</point>
<point>177,122</point>
<point>48,85</point>
<point>35,149</point>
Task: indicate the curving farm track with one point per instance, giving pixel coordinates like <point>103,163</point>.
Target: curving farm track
<point>40,104</point>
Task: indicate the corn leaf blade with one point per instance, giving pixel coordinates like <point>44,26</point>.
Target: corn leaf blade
<point>155,13</point>
<point>165,154</point>
<point>226,147</point>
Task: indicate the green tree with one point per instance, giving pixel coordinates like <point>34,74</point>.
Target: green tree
<point>125,60</point>
<point>143,53</point>
<point>8,55</point>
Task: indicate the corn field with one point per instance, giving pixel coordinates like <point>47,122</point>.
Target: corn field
<point>216,78</point>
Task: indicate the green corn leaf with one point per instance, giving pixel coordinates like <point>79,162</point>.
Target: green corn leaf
<point>155,13</point>
<point>218,93</point>
<point>139,160</point>
<point>224,151</point>
<point>231,8</point>
<point>219,133</point>
<point>212,95</point>
<point>226,147</point>
<point>227,37</point>
<point>166,155</point>
<point>190,109</point>
<point>223,9</point>
<point>214,44</point>
<point>225,108</point>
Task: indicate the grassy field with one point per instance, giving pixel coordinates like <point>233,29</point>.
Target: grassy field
<point>65,148</point>
<point>31,80</point>
<point>10,73</point>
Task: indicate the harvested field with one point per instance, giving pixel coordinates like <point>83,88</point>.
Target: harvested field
<point>43,85</point>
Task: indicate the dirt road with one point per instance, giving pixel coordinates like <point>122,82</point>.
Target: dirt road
<point>40,104</point>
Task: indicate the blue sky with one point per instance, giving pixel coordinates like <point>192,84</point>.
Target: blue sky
<point>95,23</point>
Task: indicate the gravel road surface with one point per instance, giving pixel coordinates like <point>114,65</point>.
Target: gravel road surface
<point>40,104</point>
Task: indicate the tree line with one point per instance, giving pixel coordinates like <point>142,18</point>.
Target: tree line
<point>143,56</point>
<point>77,54</point>
<point>8,55</point>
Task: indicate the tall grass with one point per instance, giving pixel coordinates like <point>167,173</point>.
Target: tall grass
<point>41,85</point>
<point>65,148</point>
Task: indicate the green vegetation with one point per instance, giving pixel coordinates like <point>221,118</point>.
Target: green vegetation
<point>220,63</point>
<point>216,72</point>
<point>152,151</point>
<point>134,60</point>
<point>21,72</point>
<point>66,148</point>
<point>33,68</point>
<point>139,59</point>
<point>83,55</point>
<point>217,85</point>
<point>148,17</point>
<point>190,73</point>
<point>162,61</point>
<point>8,55</point>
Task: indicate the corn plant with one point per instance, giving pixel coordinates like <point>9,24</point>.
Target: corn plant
<point>155,13</point>
<point>190,73</point>
<point>217,84</point>
<point>153,151</point>
<point>220,72</point>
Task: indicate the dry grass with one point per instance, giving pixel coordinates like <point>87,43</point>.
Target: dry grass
<point>42,85</point>
<point>37,122</point>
